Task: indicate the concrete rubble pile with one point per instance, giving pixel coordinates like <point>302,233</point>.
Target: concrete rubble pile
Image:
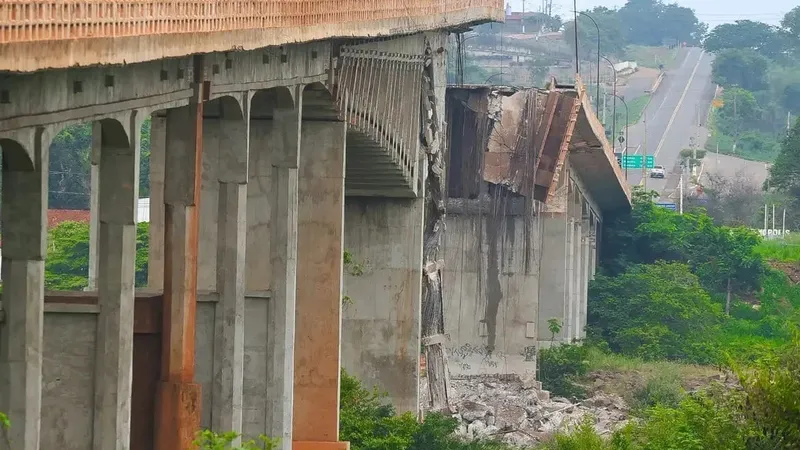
<point>519,413</point>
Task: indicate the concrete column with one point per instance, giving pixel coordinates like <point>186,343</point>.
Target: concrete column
<point>381,325</point>
<point>233,136</point>
<point>119,192</point>
<point>158,137</point>
<point>579,277</point>
<point>569,280</point>
<point>552,282</point>
<point>283,261</point>
<point>94,204</point>
<point>319,292</point>
<point>178,410</point>
<point>586,275</point>
<point>24,231</point>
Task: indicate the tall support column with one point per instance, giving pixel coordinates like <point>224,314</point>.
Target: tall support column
<point>233,131</point>
<point>158,136</point>
<point>578,274</point>
<point>319,292</point>
<point>119,192</point>
<point>178,411</point>
<point>569,280</point>
<point>24,231</point>
<point>553,286</point>
<point>586,275</point>
<point>283,260</point>
<point>94,204</point>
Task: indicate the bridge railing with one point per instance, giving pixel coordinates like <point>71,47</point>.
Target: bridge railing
<point>44,20</point>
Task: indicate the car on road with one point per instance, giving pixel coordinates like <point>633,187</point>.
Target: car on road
<point>658,172</point>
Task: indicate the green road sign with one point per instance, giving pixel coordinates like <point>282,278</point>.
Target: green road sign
<point>635,162</point>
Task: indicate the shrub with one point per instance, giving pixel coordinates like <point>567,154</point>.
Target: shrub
<point>654,311</point>
<point>772,396</point>
<point>209,440</point>
<point>664,389</point>
<point>560,366</point>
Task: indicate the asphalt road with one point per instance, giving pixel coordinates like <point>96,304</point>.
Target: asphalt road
<point>675,117</point>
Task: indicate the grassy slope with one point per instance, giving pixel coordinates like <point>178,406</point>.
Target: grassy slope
<point>651,56</point>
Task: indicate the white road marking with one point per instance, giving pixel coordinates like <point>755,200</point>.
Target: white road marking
<point>680,102</point>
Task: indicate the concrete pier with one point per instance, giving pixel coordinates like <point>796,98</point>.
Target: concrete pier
<point>118,196</point>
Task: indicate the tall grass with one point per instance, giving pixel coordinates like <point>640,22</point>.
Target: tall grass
<point>783,250</point>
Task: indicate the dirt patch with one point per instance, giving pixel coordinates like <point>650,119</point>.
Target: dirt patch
<point>626,383</point>
<point>792,270</point>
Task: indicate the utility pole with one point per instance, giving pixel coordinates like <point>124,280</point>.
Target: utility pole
<point>523,16</point>
<point>773,217</point>
<point>644,154</point>
<point>783,225</point>
<point>680,191</point>
<point>605,101</point>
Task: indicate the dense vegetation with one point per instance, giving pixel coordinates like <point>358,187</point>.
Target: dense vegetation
<point>70,162</point>
<point>67,264</point>
<point>757,65</point>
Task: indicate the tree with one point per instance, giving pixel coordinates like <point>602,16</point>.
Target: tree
<point>747,35</point>
<point>69,168</point>
<point>653,311</point>
<point>70,162</point>
<point>784,175</point>
<point>67,264</point>
<point>733,201</point>
<point>740,67</point>
<point>651,22</point>
<point>649,234</point>
<point>612,38</point>
<point>740,112</point>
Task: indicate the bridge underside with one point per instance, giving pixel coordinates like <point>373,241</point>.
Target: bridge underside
<point>265,166</point>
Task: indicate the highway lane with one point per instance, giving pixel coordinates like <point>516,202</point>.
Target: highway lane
<point>673,118</point>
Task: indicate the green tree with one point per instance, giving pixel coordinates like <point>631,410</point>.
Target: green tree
<point>612,38</point>
<point>69,179</point>
<point>651,22</point>
<point>649,234</point>
<point>747,35</point>
<point>654,311</point>
<point>70,163</point>
<point>784,175</point>
<point>743,68</point>
<point>67,264</point>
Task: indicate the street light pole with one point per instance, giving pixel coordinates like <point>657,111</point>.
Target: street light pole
<point>598,51</point>
<point>577,61</point>
<point>627,121</point>
<point>614,108</point>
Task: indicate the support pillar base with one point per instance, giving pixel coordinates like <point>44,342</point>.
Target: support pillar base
<point>313,445</point>
<point>177,415</point>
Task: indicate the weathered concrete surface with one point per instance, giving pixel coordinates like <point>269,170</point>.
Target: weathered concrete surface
<point>381,320</point>
<point>24,231</point>
<point>319,289</point>
<point>491,287</point>
<point>119,193</point>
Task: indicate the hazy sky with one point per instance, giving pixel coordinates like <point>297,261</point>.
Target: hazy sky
<point>712,12</point>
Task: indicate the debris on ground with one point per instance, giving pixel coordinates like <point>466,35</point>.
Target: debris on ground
<point>521,414</point>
